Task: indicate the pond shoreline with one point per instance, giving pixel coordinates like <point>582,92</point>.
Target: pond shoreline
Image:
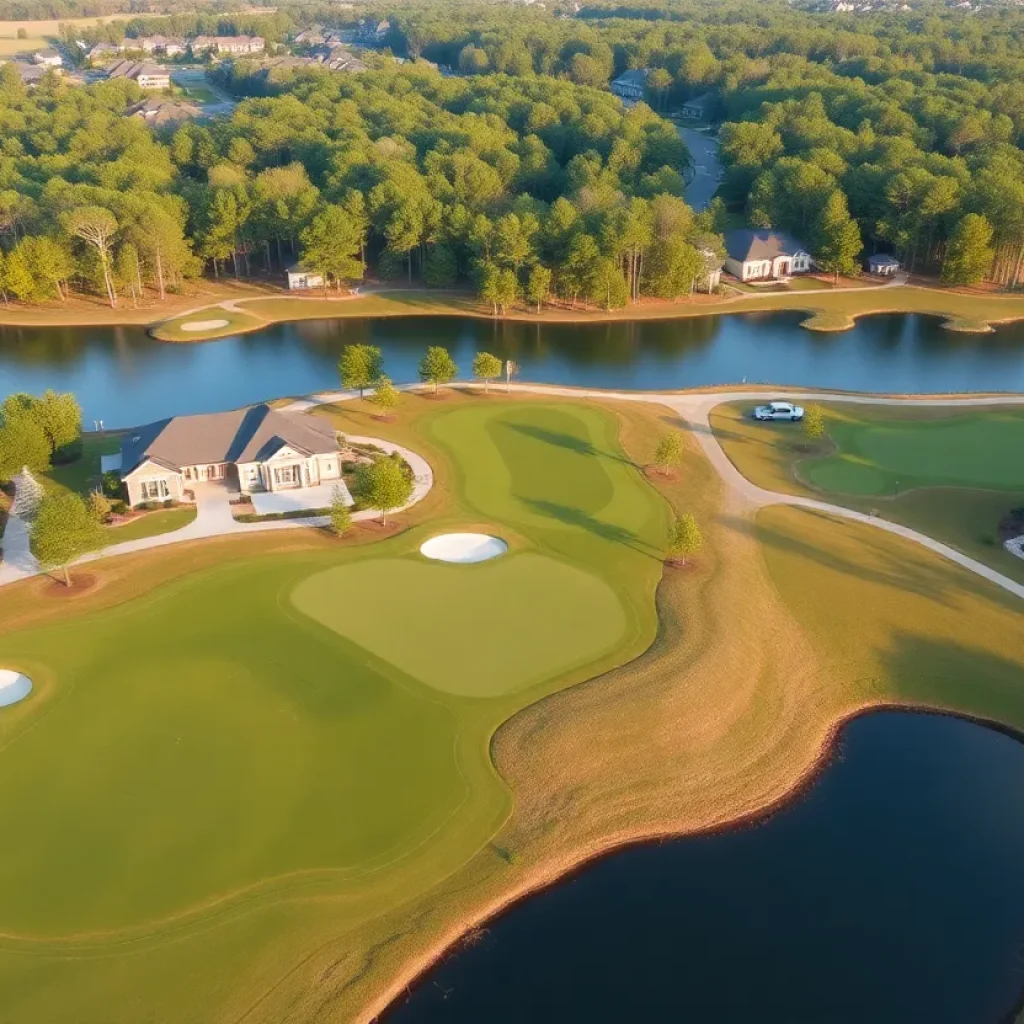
<point>541,881</point>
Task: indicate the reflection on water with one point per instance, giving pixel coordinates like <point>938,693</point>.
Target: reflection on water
<point>125,377</point>
<point>891,893</point>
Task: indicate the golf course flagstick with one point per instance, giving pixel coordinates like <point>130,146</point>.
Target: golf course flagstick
<point>511,369</point>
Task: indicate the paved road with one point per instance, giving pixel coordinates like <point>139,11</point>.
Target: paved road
<point>706,165</point>
<point>693,408</point>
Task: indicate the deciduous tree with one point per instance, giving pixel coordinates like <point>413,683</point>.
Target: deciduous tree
<point>384,485</point>
<point>359,366</point>
<point>62,531</point>
<point>486,367</point>
<point>437,366</point>
<point>685,538</point>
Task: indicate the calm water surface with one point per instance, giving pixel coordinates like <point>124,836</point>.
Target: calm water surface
<point>124,377</point>
<point>891,893</point>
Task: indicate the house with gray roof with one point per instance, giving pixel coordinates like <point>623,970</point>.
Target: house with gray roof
<point>754,254</point>
<point>253,449</point>
<point>630,85</point>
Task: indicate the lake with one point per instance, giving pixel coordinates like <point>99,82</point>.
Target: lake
<point>890,892</point>
<point>124,377</point>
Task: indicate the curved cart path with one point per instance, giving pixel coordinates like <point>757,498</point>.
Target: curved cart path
<point>693,408</point>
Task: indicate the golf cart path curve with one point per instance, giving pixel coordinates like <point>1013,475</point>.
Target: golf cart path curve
<point>693,408</point>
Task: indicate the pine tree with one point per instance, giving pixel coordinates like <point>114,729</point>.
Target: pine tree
<point>969,253</point>
<point>838,237</point>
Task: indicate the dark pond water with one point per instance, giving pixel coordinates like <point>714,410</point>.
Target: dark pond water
<point>124,377</point>
<point>891,892</point>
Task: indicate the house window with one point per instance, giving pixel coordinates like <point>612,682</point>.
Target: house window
<point>154,490</point>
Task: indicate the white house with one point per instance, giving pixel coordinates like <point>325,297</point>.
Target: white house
<point>883,264</point>
<point>764,255</point>
<point>630,85</point>
<point>300,278</point>
<point>48,58</point>
<point>255,449</point>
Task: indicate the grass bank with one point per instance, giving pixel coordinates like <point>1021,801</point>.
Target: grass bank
<point>826,310</point>
<point>951,474</point>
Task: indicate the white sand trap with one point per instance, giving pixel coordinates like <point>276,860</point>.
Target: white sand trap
<point>13,687</point>
<point>203,325</point>
<point>463,548</point>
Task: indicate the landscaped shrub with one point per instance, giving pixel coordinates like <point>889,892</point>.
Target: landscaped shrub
<point>112,486</point>
<point>119,507</point>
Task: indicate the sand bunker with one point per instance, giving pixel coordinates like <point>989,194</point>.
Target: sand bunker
<point>463,548</point>
<point>13,687</point>
<point>204,325</point>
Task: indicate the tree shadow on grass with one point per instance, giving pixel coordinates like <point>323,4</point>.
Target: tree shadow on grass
<point>942,582</point>
<point>579,445</point>
<point>606,531</point>
<point>972,680</point>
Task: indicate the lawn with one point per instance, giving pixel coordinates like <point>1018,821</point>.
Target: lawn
<point>952,474</point>
<point>83,475</point>
<point>269,751</point>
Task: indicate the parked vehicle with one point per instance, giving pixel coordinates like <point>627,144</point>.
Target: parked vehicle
<point>779,411</point>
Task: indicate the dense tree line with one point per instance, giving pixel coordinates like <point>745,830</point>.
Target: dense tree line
<point>898,124</point>
<point>524,187</point>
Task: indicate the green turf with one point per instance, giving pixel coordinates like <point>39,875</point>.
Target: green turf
<point>476,630</point>
<point>891,456</point>
<point>209,764</point>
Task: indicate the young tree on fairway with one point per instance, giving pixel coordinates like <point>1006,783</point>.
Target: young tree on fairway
<point>383,486</point>
<point>684,538</point>
<point>486,368</point>
<point>814,423</point>
<point>64,529</point>
<point>340,513</point>
<point>385,395</point>
<point>437,366</point>
<point>359,366</point>
<point>669,451</point>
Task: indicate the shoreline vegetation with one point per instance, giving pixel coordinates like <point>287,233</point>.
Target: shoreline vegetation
<point>243,308</point>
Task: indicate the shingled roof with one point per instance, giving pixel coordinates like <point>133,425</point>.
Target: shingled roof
<point>745,244</point>
<point>242,435</point>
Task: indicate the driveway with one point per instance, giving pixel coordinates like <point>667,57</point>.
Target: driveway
<point>300,498</point>
<point>706,167</point>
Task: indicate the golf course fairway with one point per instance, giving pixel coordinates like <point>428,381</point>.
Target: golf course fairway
<point>298,739</point>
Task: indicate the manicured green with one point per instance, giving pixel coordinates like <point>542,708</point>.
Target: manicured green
<point>949,473</point>
<point>267,753</point>
<point>886,457</point>
<point>476,630</point>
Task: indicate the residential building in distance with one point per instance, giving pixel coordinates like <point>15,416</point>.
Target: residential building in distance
<point>32,74</point>
<point>630,85</point>
<point>883,264</point>
<point>103,51</point>
<point>301,278</point>
<point>146,75</point>
<point>699,107</point>
<point>48,58</point>
<point>158,44</point>
<point>764,255</point>
<point>228,45</point>
<point>159,112</point>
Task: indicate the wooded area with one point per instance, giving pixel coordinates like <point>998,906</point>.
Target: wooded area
<point>893,131</point>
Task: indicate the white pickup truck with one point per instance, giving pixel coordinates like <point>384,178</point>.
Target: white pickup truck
<point>779,411</point>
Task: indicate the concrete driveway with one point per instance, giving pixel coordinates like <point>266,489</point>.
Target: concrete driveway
<point>299,499</point>
<point>706,167</point>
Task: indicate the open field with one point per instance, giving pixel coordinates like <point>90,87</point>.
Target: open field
<point>950,474</point>
<point>40,33</point>
<point>755,659</point>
